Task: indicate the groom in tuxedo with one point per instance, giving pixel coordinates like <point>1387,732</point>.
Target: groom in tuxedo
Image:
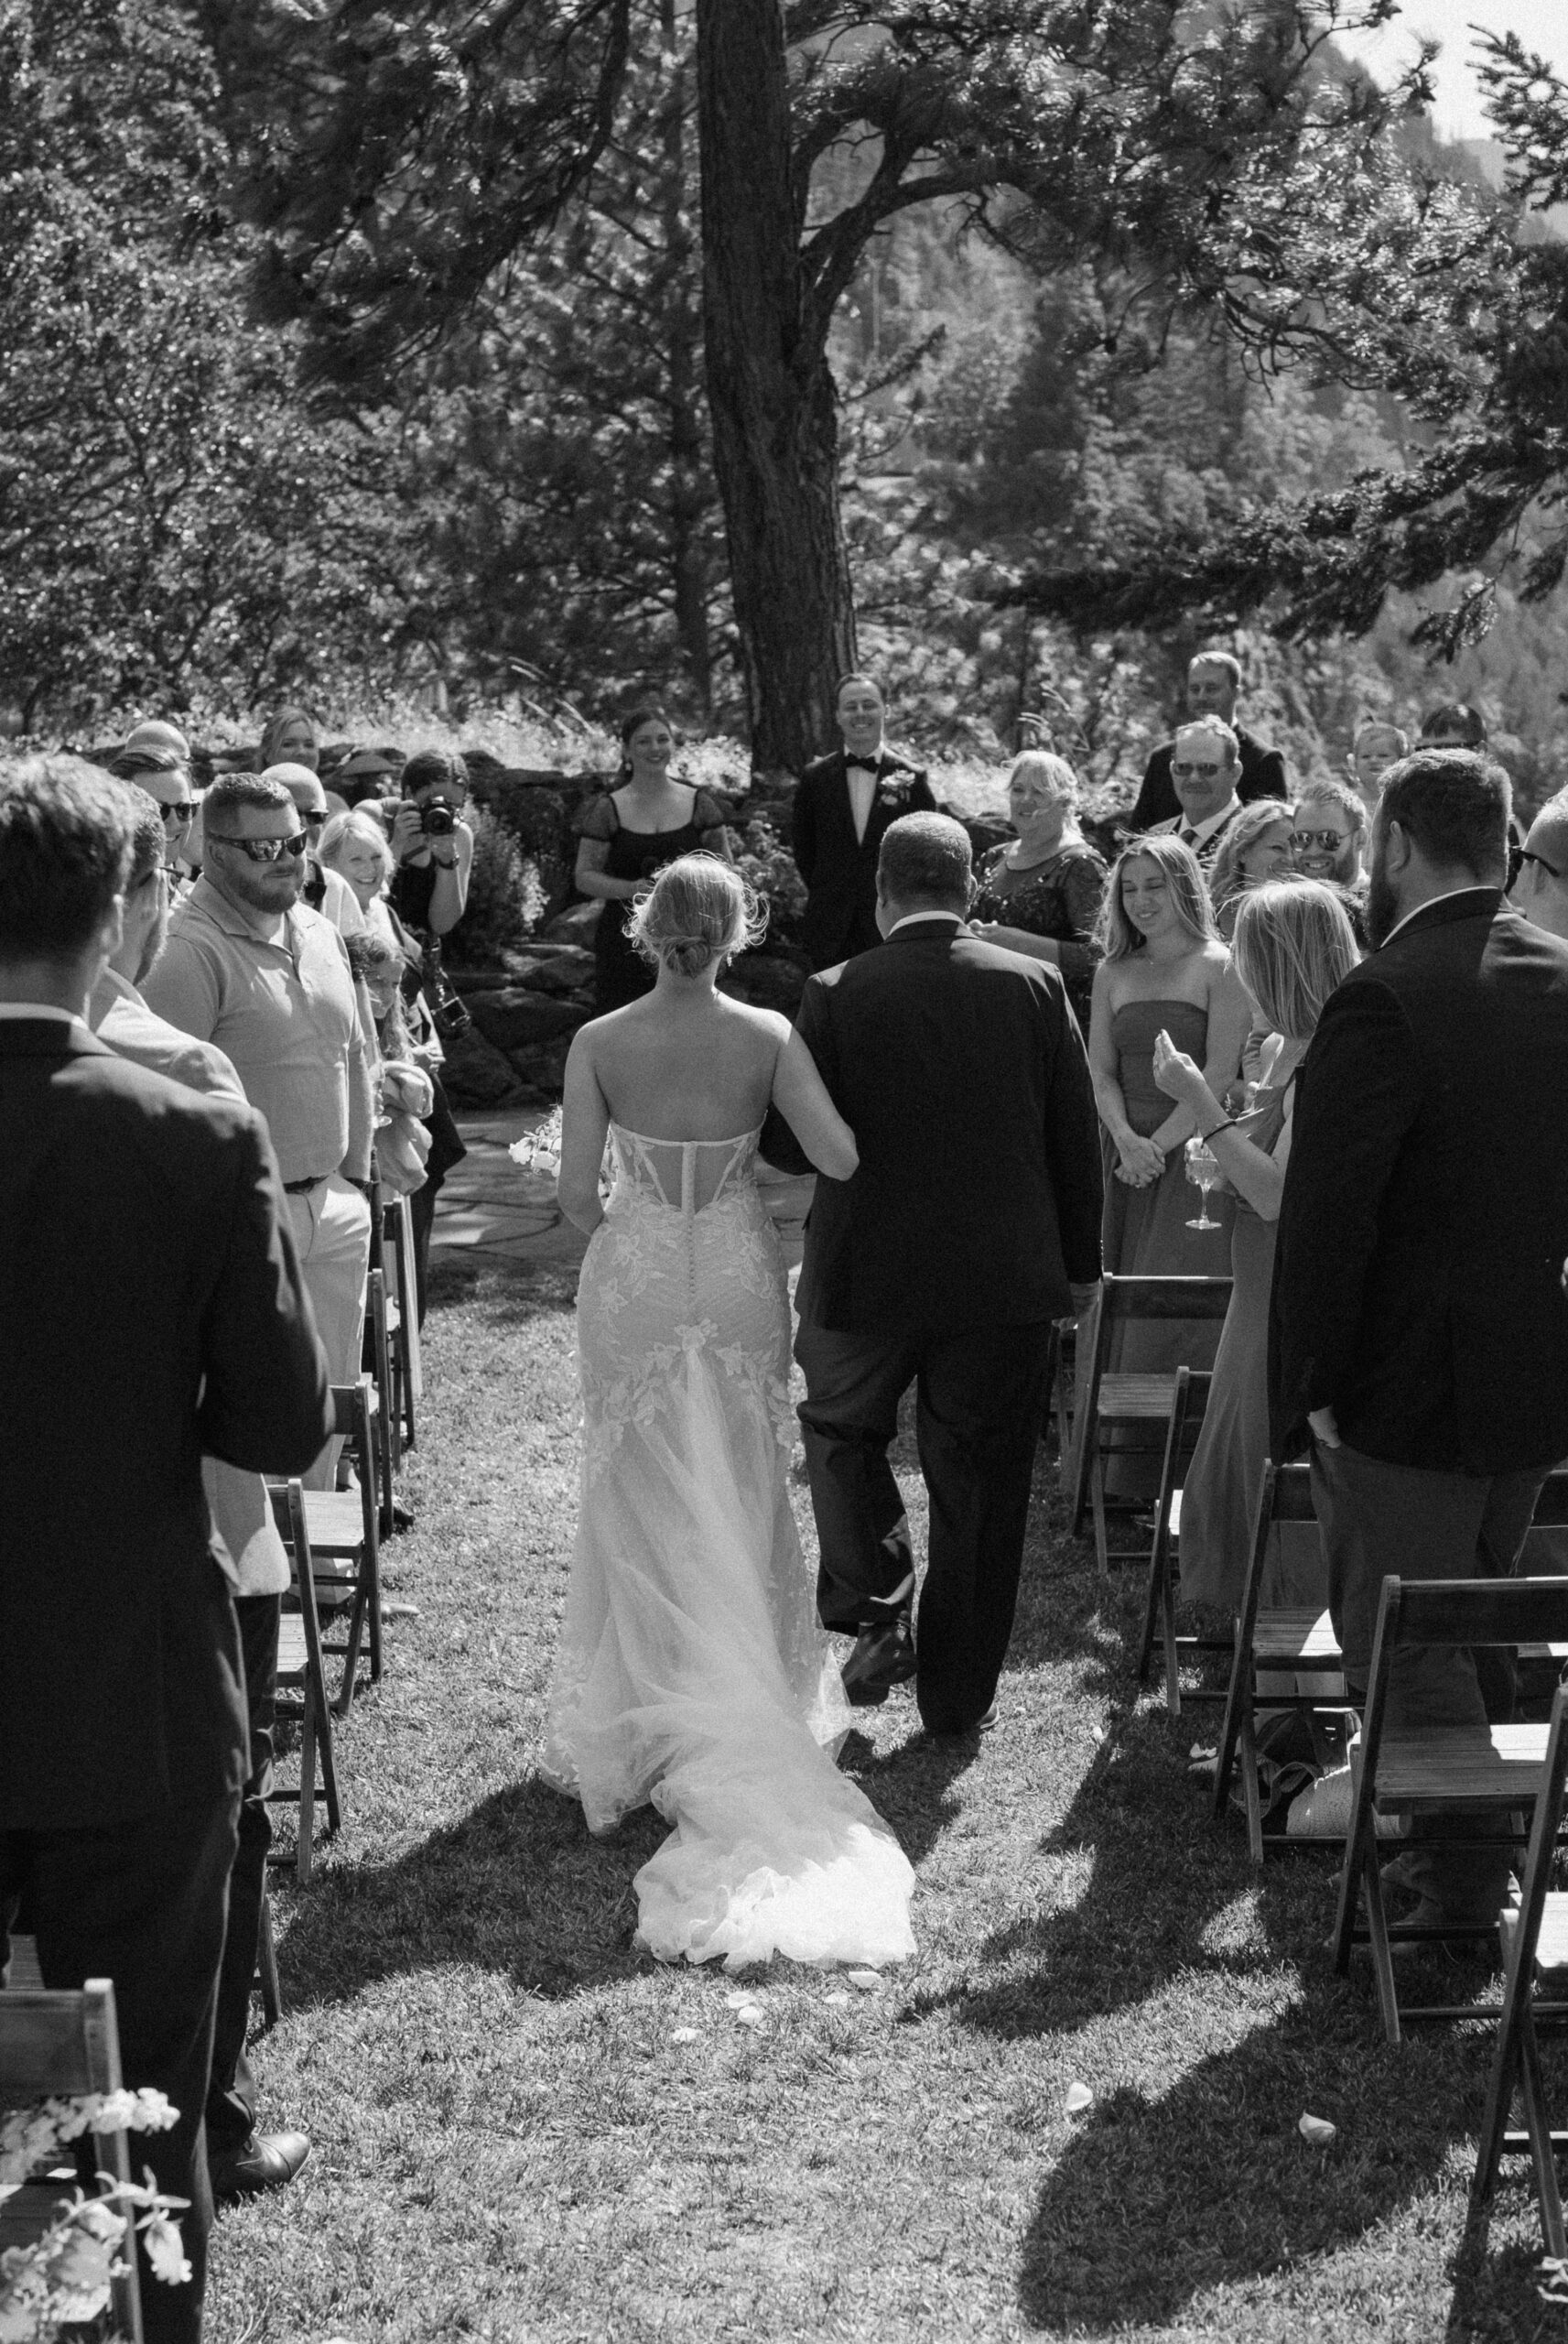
<point>842,809</point>
<point>973,1221</point>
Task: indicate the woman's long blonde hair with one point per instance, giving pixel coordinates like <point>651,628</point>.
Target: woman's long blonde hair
<point>1188,894</point>
<point>1294,947</point>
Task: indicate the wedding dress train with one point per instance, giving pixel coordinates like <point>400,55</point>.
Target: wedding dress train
<point>691,1669</point>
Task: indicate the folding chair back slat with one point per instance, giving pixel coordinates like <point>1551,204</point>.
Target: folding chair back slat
<point>65,2044</point>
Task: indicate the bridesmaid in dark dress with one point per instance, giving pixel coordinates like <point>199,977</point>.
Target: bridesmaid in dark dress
<point>1042,896</point>
<point>1294,946</point>
<point>1164,970</point>
<point>627,836</point>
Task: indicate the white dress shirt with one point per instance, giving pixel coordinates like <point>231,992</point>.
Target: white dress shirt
<point>862,785</point>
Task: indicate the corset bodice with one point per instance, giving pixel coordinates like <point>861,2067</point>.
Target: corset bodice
<point>682,1175</point>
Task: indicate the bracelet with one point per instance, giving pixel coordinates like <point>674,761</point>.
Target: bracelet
<point>1227,1125</point>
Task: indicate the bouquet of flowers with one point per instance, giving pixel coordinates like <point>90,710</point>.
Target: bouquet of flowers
<point>63,2278</point>
<point>540,1149</point>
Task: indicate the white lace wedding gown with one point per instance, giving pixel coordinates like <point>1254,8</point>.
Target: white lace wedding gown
<point>691,1669</point>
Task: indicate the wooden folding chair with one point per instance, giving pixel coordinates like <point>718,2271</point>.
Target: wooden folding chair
<point>1189,1403</point>
<point>1479,1772</point>
<point>1535,1945</point>
<point>69,2045</point>
<point>1128,1416</point>
<point>402,1323</point>
<point>378,1341</point>
<point>345,1546</point>
<point>1297,1642</point>
<point>302,1679</point>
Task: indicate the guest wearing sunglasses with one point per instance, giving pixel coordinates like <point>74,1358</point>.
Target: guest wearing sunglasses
<point>324,890</point>
<point>250,967</point>
<point>1538,871</point>
<point>155,768</point>
<point>1327,843</point>
<point>1205,767</point>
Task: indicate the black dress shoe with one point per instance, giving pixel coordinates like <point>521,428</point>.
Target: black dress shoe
<point>266,2160</point>
<point>883,1657</point>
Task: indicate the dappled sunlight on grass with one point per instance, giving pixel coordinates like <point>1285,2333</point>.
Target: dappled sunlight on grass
<point>511,2143</point>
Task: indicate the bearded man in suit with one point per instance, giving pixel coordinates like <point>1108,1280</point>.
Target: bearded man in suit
<point>152,1310</point>
<point>972,1222</point>
<point>843,806</point>
<point>1419,1332</point>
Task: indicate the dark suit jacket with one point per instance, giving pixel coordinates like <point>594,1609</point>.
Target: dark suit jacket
<point>150,1309</point>
<point>1425,1216</point>
<point>1262,775</point>
<point>839,870</point>
<point>961,1071</point>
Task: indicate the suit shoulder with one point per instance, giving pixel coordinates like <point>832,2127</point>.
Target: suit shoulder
<point>117,1090</point>
<point>820,769</point>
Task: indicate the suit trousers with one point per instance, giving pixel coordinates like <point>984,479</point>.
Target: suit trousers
<point>232,2093</point>
<point>1378,1520</point>
<point>980,1392</point>
<point>144,1903</point>
<point>332,1232</point>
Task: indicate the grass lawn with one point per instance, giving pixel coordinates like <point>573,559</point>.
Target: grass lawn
<point>511,2142</point>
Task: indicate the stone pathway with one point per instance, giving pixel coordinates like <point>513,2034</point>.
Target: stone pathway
<point>489,1210</point>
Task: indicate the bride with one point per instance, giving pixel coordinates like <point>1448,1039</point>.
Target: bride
<point>691,1669</point>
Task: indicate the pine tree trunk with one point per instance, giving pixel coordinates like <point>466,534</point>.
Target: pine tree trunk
<point>775,432</point>
<point>689,482</point>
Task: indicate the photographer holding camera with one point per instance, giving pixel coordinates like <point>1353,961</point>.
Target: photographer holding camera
<point>433,845</point>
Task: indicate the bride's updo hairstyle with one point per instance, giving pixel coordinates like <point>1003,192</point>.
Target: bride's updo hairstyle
<point>698,910</point>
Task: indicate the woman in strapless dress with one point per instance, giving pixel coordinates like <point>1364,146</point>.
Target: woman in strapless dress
<point>1165,969</point>
<point>1294,946</point>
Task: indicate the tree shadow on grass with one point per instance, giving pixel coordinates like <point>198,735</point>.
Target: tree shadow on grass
<point>1159,2197</point>
<point>1164,2191</point>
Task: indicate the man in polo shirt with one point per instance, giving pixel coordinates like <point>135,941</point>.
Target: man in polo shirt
<point>246,1546</point>
<point>1204,767</point>
<point>251,968</point>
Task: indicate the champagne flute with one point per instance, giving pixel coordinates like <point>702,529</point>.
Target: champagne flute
<point>1203,1171</point>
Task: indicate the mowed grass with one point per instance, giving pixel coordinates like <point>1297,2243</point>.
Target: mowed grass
<point>510,2142</point>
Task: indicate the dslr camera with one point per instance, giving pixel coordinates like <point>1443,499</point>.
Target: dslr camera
<point>438,818</point>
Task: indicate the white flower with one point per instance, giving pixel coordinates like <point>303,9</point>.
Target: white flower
<point>165,2250</point>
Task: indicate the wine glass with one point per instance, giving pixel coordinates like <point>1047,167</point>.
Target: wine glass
<point>1203,1171</point>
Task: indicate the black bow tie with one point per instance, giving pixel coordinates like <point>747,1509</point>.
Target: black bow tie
<point>860,764</point>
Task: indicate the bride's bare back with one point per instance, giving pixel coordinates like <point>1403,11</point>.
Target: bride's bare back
<point>690,1064</point>
<point>699,1068</point>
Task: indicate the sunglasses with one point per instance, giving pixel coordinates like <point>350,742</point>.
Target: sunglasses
<point>1331,841</point>
<point>1520,856</point>
<point>1185,773</point>
<point>174,815</point>
<point>263,850</point>
<point>314,821</point>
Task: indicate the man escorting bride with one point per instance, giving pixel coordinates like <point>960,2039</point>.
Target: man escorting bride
<point>691,1669</point>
